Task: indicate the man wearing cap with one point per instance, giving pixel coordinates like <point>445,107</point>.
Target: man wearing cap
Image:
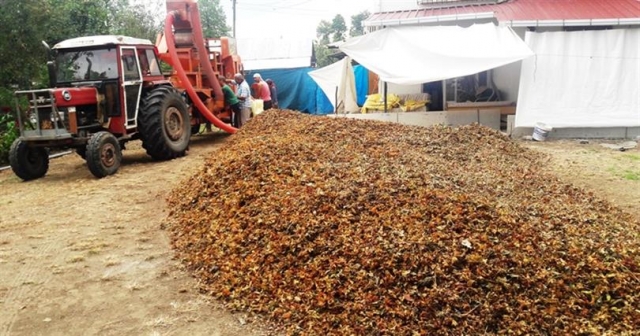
<point>264,92</point>
<point>244,95</point>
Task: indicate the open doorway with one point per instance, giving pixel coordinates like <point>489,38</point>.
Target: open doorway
<point>434,89</point>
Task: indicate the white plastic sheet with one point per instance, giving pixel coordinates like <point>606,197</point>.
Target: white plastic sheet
<point>338,78</point>
<point>275,53</point>
<point>581,79</point>
<point>415,55</point>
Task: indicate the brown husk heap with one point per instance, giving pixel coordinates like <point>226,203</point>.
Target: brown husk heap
<point>341,227</point>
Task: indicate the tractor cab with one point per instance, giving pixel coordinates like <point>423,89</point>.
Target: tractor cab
<point>102,78</point>
<point>103,84</point>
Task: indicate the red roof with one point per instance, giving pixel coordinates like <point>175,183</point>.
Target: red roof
<point>520,10</point>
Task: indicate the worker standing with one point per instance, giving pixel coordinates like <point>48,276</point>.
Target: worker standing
<point>231,100</point>
<point>274,93</point>
<point>244,95</point>
<point>264,92</point>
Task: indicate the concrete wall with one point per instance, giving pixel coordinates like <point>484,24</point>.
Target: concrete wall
<point>424,119</point>
<point>489,118</point>
<point>576,133</point>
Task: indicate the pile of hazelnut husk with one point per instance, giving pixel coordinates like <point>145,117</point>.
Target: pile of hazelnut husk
<point>350,227</point>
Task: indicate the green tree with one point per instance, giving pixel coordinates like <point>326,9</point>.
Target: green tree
<point>214,21</point>
<point>20,47</point>
<point>324,32</point>
<point>137,20</point>
<point>357,28</point>
<point>68,18</point>
<point>328,32</point>
<point>339,28</point>
<point>322,53</point>
<point>26,23</point>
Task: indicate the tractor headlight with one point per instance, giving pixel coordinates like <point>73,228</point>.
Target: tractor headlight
<point>33,118</point>
<point>59,117</point>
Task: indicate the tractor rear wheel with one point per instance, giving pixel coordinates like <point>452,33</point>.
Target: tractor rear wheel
<point>28,163</point>
<point>103,154</point>
<point>164,125</point>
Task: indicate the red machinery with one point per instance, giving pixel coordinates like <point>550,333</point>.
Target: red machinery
<point>104,91</point>
<point>107,90</point>
<point>197,62</point>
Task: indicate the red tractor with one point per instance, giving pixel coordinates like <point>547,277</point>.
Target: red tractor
<point>105,91</point>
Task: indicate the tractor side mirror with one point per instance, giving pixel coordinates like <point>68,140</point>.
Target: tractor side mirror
<point>53,80</point>
<point>49,51</point>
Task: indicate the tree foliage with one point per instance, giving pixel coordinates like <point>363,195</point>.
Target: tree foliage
<point>357,28</point>
<point>335,31</point>
<point>324,32</point>
<point>26,23</point>
<point>339,28</point>
<point>214,22</point>
<point>322,54</point>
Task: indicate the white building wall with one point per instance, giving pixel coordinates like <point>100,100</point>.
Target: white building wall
<point>507,79</point>
<point>401,89</point>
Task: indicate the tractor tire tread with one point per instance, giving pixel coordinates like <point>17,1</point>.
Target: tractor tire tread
<point>21,166</point>
<point>151,126</point>
<point>94,160</point>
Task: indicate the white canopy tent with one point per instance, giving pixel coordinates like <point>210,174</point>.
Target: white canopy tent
<point>419,54</point>
<point>581,79</point>
<point>337,81</point>
<point>275,53</point>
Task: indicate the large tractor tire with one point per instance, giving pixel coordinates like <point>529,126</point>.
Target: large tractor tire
<point>103,154</point>
<point>163,122</point>
<point>28,163</point>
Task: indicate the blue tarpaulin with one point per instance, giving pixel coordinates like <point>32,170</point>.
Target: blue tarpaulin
<point>296,90</point>
<point>362,83</point>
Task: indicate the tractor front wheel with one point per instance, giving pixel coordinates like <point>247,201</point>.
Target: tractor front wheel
<point>28,163</point>
<point>103,154</point>
<point>164,124</point>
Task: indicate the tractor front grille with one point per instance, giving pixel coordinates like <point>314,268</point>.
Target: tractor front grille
<point>41,119</point>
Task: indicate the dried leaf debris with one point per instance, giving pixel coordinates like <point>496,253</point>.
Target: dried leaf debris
<point>352,227</point>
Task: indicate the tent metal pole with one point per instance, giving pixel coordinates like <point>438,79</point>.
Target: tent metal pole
<point>336,101</point>
<point>455,92</point>
<point>384,86</point>
<point>444,95</point>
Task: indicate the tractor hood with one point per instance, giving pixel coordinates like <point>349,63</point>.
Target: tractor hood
<point>75,96</point>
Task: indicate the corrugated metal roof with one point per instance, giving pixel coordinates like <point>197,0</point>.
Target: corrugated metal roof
<point>522,10</point>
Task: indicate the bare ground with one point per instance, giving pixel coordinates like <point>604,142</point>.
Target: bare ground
<point>611,174</point>
<point>84,256</point>
<point>81,256</point>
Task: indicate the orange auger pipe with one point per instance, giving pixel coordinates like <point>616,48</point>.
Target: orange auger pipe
<point>168,33</point>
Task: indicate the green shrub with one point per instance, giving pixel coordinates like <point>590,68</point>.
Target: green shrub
<point>8,133</point>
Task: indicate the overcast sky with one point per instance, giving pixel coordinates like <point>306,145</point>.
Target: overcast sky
<point>289,18</point>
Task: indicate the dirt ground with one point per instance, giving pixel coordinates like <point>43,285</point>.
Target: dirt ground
<point>81,256</point>
<point>610,174</point>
